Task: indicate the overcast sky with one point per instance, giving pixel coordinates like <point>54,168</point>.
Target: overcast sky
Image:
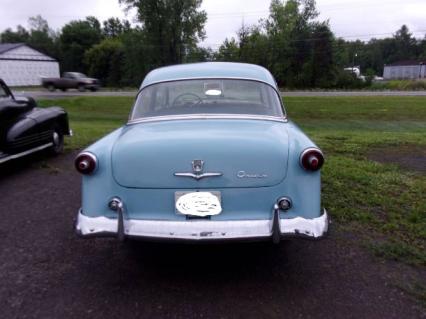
<point>351,19</point>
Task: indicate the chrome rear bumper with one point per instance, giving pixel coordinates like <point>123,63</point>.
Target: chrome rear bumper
<point>203,230</point>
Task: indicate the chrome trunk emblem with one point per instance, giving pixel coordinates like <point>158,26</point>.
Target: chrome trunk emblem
<point>197,166</point>
<point>197,171</point>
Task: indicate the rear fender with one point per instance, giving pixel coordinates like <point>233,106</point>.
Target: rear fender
<point>100,186</point>
<point>305,190</point>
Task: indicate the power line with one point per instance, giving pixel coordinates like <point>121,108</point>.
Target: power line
<point>321,39</point>
<point>338,6</point>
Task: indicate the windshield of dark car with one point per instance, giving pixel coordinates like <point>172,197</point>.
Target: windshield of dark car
<point>2,92</point>
<point>209,96</point>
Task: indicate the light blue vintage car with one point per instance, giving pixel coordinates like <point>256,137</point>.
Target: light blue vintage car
<point>207,154</point>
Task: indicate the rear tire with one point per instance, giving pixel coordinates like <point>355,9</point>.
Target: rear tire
<point>58,142</point>
<point>50,87</point>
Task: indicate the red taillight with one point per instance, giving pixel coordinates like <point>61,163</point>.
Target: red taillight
<point>85,163</point>
<point>312,159</point>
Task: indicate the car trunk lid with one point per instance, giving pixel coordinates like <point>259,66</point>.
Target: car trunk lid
<point>240,153</point>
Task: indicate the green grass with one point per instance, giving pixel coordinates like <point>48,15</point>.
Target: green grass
<point>387,204</point>
<point>399,251</point>
<point>92,117</point>
<point>384,200</point>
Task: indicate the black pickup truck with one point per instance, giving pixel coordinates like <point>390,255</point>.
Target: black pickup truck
<point>71,80</point>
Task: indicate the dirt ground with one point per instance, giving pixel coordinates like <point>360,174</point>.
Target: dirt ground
<point>409,157</point>
<point>47,272</point>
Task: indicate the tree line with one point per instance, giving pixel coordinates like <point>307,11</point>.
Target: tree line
<point>300,50</point>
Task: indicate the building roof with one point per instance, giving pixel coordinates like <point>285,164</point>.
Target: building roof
<point>406,63</point>
<point>209,70</point>
<point>4,47</point>
<point>29,53</point>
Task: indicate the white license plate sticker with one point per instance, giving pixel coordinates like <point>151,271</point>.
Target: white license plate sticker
<point>199,204</point>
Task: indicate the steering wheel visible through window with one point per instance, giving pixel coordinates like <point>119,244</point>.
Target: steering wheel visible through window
<point>190,97</point>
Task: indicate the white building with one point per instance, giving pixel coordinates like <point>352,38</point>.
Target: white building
<point>21,65</point>
<point>405,70</point>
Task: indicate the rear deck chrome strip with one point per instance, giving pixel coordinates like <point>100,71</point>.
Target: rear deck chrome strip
<point>33,150</point>
<point>208,117</point>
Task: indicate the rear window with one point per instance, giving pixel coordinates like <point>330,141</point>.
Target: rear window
<point>208,96</point>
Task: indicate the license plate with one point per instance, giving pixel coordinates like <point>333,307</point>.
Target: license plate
<point>198,203</point>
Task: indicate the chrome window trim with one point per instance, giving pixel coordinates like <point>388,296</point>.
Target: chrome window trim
<point>284,117</point>
<point>208,117</point>
<point>207,78</point>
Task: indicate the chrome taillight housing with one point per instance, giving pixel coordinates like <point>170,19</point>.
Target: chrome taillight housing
<point>86,163</point>
<point>311,159</point>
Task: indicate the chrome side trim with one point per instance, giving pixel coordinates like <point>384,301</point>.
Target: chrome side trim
<point>208,117</point>
<point>205,230</point>
<point>33,150</point>
<point>198,176</point>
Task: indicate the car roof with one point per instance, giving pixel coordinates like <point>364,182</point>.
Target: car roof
<point>209,70</point>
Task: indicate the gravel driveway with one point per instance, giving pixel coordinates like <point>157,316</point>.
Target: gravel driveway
<point>47,272</point>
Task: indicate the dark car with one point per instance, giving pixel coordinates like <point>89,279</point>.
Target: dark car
<point>25,128</point>
<point>71,80</point>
